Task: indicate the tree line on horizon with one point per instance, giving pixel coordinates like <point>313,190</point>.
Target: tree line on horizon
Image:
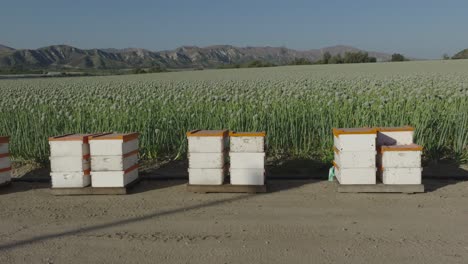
<point>349,57</point>
<point>327,58</point>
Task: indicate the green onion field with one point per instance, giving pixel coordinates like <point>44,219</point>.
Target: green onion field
<point>296,105</point>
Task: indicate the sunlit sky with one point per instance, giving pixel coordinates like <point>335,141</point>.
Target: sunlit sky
<point>417,28</point>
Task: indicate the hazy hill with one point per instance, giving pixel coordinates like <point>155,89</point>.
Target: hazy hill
<point>461,55</point>
<point>63,56</point>
<point>5,48</point>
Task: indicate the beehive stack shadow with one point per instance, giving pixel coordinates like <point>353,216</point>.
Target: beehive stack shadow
<point>208,166</point>
<point>109,162</point>
<point>394,167</point>
<point>5,162</point>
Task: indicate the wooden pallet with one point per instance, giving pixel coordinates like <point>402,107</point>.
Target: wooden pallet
<point>227,188</point>
<point>380,188</point>
<point>5,184</point>
<point>94,190</point>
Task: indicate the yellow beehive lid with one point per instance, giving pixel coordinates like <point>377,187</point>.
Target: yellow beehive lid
<point>247,134</point>
<point>395,129</point>
<point>74,137</point>
<point>4,139</point>
<point>116,136</point>
<point>411,147</point>
<point>354,131</point>
<point>208,133</point>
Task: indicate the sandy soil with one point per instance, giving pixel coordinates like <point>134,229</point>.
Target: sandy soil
<point>297,222</point>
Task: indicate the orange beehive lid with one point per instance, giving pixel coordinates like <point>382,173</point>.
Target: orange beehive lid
<point>411,147</point>
<point>354,131</point>
<point>337,151</point>
<point>395,129</point>
<point>335,165</point>
<point>134,167</point>
<point>4,139</point>
<point>247,134</point>
<point>208,133</point>
<point>5,169</point>
<point>74,137</point>
<point>116,136</point>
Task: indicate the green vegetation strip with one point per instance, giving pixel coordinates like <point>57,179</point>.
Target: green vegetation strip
<point>297,106</point>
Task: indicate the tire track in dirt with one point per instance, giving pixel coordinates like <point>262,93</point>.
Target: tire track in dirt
<point>155,236</point>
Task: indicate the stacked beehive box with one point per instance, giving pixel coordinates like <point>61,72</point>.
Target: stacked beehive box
<point>247,158</point>
<point>207,156</point>
<point>399,159</point>
<point>5,163</point>
<point>389,136</point>
<point>114,159</point>
<point>355,155</point>
<point>69,161</point>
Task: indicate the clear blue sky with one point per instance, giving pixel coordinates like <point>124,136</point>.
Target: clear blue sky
<point>418,28</point>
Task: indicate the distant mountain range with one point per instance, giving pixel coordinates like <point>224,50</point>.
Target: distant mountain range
<point>63,56</point>
<point>5,48</point>
<point>461,55</point>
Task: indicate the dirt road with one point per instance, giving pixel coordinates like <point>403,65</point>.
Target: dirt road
<point>297,222</point>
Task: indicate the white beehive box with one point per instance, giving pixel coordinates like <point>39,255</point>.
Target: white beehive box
<point>4,148</point>
<point>355,139</point>
<point>401,175</point>
<point>400,164</point>
<point>67,164</point>
<point>114,178</point>
<point>247,176</point>
<point>206,176</point>
<point>70,145</point>
<point>69,152</point>
<point>355,159</point>
<point>114,159</point>
<point>247,142</point>
<point>387,136</point>
<point>207,141</point>
<point>400,156</point>
<point>71,179</point>
<point>247,160</point>
<point>5,161</point>
<point>70,160</point>
<point>114,163</point>
<point>5,175</point>
<point>355,175</point>
<point>4,145</point>
<point>215,160</point>
<point>207,156</point>
<point>115,144</point>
